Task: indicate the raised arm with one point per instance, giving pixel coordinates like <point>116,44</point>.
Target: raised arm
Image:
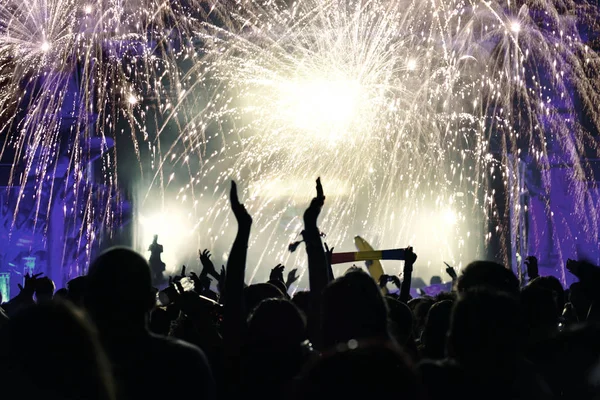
<point>318,268</point>
<point>234,279</point>
<point>318,274</point>
<point>409,260</point>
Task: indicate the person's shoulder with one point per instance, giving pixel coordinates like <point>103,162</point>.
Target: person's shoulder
<point>184,361</point>
<point>171,350</point>
<point>175,346</point>
<point>436,369</point>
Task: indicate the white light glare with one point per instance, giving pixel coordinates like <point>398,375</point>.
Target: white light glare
<point>411,65</point>
<point>132,99</point>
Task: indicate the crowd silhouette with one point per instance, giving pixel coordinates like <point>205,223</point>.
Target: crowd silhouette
<point>111,335</point>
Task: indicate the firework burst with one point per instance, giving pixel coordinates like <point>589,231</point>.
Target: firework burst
<point>408,110</point>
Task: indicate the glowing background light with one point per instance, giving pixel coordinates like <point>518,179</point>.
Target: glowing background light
<point>132,99</point>
<point>515,27</point>
<point>411,64</point>
<point>324,107</point>
<point>176,234</point>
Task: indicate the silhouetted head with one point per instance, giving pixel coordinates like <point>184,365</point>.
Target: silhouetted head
<point>44,289</point>
<point>420,307</point>
<point>276,322</point>
<point>274,351</point>
<point>580,300</point>
<point>353,308</point>
<point>302,301</point>
<point>160,321</point>
<point>436,329</point>
<point>258,292</point>
<point>551,283</point>
<point>435,280</point>
<point>539,310</point>
<point>62,294</point>
<point>52,353</point>
<point>119,288</point>
<point>281,286</point>
<point>450,296</point>
<point>76,288</point>
<point>360,371</point>
<point>488,274</point>
<point>485,327</point>
<point>400,320</point>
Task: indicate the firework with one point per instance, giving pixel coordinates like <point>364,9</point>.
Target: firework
<point>408,110</point>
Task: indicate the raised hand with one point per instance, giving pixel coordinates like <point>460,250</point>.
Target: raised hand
<point>383,280</point>
<point>277,273</point>
<point>242,216</point>
<point>573,267</point>
<point>291,277</point>
<point>201,283</point>
<point>451,271</point>
<point>29,286</point>
<point>312,212</point>
<point>328,253</point>
<point>409,258</point>
<point>532,267</point>
<point>207,264</point>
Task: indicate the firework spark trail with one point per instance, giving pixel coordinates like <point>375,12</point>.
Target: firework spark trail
<point>398,105</point>
<point>73,74</point>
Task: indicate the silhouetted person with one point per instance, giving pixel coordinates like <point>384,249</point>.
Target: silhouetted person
<point>540,312</point>
<point>435,332</point>
<point>580,300</point>
<point>119,296</point>
<point>420,307</point>
<point>275,349</point>
<point>353,308</point>
<point>485,346</point>
<point>302,300</point>
<point>76,288</point>
<point>488,274</point>
<point>62,294</point>
<point>258,292</point>
<point>157,266</point>
<point>551,283</point>
<point>51,352</point>
<point>44,289</point>
<point>400,325</point>
<point>360,371</point>
<point>400,320</point>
